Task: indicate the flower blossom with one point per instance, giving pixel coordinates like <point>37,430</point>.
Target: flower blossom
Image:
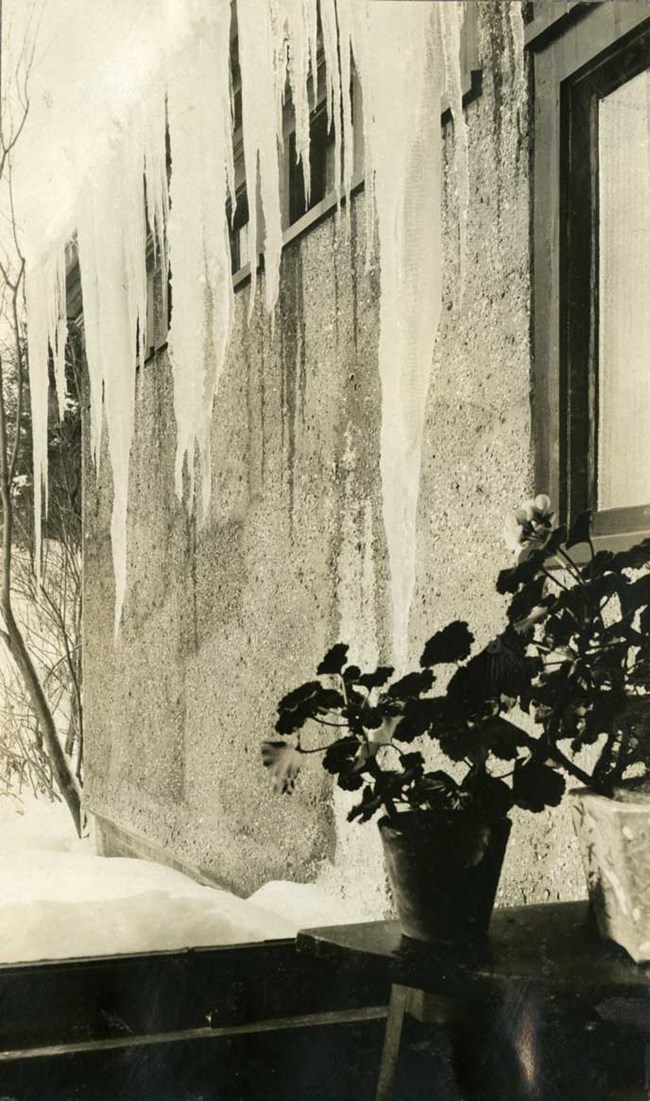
<point>530,527</point>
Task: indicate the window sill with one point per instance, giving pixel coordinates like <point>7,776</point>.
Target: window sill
<point>317,214</point>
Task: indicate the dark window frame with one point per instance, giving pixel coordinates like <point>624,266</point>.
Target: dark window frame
<point>581,55</point>
<point>295,226</point>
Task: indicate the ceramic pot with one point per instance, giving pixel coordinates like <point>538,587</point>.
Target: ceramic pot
<point>614,839</point>
<point>444,873</point>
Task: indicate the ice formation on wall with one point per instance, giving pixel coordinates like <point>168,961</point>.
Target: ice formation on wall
<point>262,80</point>
<point>112,235</point>
<point>202,295</point>
<point>46,328</point>
<point>98,126</point>
<point>398,51</point>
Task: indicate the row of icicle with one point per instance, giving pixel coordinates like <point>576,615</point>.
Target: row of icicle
<point>405,54</point>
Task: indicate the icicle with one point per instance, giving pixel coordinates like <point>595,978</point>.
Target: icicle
<point>400,66</point>
<point>155,162</point>
<point>202,177</point>
<point>329,24</point>
<point>112,254</point>
<point>345,56</point>
<point>311,20</point>
<point>262,138</point>
<point>300,23</point>
<point>37,291</point>
<point>451,16</point>
<point>47,331</point>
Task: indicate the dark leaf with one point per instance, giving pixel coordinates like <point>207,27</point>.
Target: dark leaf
<point>351,780</point>
<point>290,721</point>
<point>334,659</point>
<point>376,679</point>
<point>437,791</point>
<point>417,718</point>
<point>500,669</point>
<point>636,595</point>
<point>341,755</point>
<point>601,562</point>
<point>559,629</point>
<point>369,805</point>
<point>299,695</point>
<point>453,643</point>
<point>372,717</point>
<point>305,703</point>
<point>412,762</point>
<point>413,684</point>
<point>491,796</point>
<point>633,558</point>
<point>352,673</point>
<point>509,580</point>
<point>580,530</point>
<point>536,786</point>
<point>502,738</point>
<point>528,597</point>
<point>327,699</point>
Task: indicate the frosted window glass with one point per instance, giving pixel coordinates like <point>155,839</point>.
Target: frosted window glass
<point>624,314</point>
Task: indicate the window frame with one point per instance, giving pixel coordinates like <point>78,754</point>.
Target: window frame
<point>471,88</point>
<point>579,55</point>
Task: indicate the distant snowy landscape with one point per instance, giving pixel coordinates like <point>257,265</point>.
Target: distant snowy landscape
<point>58,899</point>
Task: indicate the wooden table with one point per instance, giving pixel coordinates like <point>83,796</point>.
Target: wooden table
<point>537,956</point>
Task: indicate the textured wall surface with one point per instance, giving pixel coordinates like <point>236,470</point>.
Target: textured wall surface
<point>221,620</point>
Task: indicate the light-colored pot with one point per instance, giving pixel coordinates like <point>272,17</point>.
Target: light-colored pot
<point>614,838</point>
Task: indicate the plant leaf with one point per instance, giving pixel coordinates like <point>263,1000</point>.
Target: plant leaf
<point>376,679</point>
<point>334,659</point>
<point>452,643</point>
<point>536,786</point>
<point>413,684</point>
<point>580,530</point>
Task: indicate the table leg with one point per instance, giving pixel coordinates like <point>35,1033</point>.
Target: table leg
<point>392,1038</point>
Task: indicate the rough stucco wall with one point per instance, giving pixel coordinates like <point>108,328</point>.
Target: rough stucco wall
<point>222,620</point>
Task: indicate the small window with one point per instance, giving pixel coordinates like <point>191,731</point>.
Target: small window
<point>321,163</point>
<point>239,246</point>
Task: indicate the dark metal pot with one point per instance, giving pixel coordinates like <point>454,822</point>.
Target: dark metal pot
<point>444,872</point>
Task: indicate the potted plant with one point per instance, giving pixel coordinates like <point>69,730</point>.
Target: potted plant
<point>444,831</point>
<point>585,618</point>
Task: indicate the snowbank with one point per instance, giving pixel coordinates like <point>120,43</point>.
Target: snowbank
<point>59,900</point>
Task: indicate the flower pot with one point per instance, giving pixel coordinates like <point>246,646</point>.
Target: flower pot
<point>444,873</point>
<point>614,839</point>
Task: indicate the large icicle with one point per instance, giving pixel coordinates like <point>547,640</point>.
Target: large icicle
<point>201,181</point>
<point>262,127</point>
<point>155,162</point>
<point>47,332</point>
<point>398,57</point>
<point>300,24</point>
<point>112,257</point>
<point>329,23</point>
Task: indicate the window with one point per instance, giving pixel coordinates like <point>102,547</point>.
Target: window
<point>591,201</point>
<point>297,215</point>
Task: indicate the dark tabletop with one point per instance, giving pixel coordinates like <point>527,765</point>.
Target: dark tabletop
<point>554,945</point>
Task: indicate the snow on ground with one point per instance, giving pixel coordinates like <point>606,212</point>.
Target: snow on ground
<point>58,899</point>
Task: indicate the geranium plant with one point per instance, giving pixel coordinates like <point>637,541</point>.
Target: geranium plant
<point>585,619</point>
<point>364,726</point>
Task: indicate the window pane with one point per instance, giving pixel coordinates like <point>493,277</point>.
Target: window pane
<point>624,297</point>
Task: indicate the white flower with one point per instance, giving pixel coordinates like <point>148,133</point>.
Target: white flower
<point>530,527</point>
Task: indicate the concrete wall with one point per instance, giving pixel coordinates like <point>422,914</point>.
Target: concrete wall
<point>221,620</point>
